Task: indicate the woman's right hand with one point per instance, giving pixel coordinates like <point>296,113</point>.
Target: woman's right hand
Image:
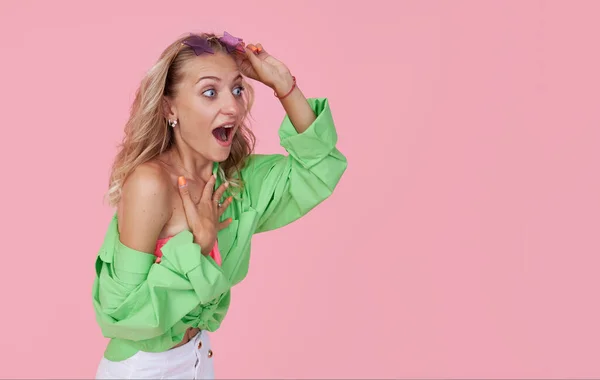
<point>203,218</point>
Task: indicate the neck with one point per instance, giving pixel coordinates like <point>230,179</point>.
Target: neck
<point>195,166</point>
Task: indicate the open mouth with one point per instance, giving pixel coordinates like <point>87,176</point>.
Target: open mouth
<point>224,134</point>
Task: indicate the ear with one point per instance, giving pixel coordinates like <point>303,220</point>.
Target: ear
<point>169,111</point>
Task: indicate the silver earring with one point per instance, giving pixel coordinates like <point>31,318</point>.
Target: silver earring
<point>172,123</point>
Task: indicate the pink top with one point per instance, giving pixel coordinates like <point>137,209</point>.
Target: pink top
<point>215,254</point>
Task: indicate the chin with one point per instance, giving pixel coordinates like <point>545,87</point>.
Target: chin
<point>220,154</point>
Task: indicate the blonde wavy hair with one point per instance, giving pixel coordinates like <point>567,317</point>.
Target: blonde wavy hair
<point>147,133</point>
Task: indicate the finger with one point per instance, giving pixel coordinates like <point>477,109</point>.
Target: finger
<point>224,224</point>
<point>188,205</point>
<point>251,54</point>
<point>260,49</point>
<point>208,188</point>
<point>253,48</point>
<point>225,205</point>
<point>261,53</point>
<point>220,191</point>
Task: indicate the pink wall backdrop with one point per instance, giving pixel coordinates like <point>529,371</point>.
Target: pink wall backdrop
<point>462,242</point>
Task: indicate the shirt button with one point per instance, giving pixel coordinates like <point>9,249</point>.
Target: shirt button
<point>210,353</point>
<point>200,345</point>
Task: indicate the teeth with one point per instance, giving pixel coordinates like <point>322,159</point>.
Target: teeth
<point>228,126</point>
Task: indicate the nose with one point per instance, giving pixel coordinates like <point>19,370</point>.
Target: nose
<point>230,105</point>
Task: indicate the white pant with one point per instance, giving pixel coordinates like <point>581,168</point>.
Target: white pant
<point>193,360</point>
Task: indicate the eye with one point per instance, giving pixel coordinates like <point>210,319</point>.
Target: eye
<point>238,90</point>
<point>210,93</point>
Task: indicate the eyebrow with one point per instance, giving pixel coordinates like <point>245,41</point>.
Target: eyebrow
<point>239,76</point>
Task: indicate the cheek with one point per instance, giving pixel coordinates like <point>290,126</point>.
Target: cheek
<point>197,115</point>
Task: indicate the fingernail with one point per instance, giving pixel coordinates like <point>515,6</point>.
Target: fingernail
<point>181,181</point>
<point>253,48</point>
<point>229,199</point>
<point>259,49</point>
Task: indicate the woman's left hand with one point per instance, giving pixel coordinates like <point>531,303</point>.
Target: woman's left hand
<point>259,65</point>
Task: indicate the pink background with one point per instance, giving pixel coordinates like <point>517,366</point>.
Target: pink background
<point>462,242</point>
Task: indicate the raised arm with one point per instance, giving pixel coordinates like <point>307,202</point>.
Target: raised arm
<point>283,188</point>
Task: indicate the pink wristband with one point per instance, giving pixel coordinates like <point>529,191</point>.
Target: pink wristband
<point>289,92</point>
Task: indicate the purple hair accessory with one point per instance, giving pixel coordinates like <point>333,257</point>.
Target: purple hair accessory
<point>198,44</point>
<point>232,43</point>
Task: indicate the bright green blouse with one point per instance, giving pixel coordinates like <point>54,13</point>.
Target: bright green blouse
<point>146,306</point>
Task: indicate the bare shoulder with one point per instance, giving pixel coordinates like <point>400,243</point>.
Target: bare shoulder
<point>150,182</point>
<point>145,206</point>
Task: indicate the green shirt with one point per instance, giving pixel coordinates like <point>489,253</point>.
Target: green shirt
<point>146,306</point>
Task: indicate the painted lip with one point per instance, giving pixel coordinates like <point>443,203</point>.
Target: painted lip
<point>230,122</point>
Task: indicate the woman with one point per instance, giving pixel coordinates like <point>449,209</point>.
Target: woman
<point>190,194</point>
